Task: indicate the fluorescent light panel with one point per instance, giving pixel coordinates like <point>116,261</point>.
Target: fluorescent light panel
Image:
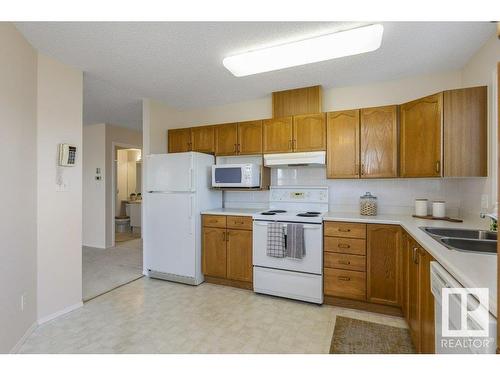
<point>325,47</point>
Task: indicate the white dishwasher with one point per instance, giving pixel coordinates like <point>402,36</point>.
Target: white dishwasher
<point>440,278</point>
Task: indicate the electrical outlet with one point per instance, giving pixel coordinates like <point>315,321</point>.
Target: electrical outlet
<point>485,202</point>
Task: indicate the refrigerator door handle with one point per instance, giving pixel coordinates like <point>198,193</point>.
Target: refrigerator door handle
<point>191,179</point>
<point>191,217</point>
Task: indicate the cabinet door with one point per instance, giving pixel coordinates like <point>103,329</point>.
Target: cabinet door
<point>239,255</point>
<point>277,135</point>
<point>214,252</point>
<point>465,128</point>
<point>414,297</point>
<point>421,123</point>
<point>250,137</point>
<point>309,132</point>
<point>342,155</point>
<point>179,140</point>
<point>226,139</point>
<point>203,139</point>
<point>383,258</point>
<point>427,336</point>
<point>379,142</point>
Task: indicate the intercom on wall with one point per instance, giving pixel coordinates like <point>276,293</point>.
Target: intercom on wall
<point>67,155</point>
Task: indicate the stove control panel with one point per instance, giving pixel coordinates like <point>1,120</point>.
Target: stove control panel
<point>305,195</point>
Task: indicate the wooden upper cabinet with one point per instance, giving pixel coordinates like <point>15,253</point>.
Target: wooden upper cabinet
<point>277,135</point>
<point>465,132</point>
<point>379,142</point>
<point>309,132</point>
<point>226,139</point>
<point>343,144</point>
<point>203,139</point>
<point>239,255</point>
<point>250,137</point>
<point>421,124</point>
<point>179,140</point>
<point>383,264</point>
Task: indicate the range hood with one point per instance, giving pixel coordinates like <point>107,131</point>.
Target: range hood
<point>315,159</point>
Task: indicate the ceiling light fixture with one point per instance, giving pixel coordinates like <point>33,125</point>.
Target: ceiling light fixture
<point>307,51</point>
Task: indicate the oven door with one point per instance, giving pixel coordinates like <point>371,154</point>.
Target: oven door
<point>312,262</point>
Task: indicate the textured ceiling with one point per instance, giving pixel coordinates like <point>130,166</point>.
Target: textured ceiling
<point>180,63</point>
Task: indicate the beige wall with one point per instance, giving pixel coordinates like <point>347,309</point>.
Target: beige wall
<point>482,70</point>
<point>59,120</point>
<point>122,137</point>
<point>18,187</point>
<point>94,192</point>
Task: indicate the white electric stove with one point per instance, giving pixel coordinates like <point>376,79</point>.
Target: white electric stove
<point>300,279</point>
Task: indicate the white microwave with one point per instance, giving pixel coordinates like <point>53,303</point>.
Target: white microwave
<point>236,175</point>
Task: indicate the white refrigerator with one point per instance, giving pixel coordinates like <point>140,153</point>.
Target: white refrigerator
<point>177,191</point>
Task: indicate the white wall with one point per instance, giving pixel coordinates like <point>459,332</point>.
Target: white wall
<point>59,120</point>
<point>18,187</point>
<point>482,70</point>
<point>94,192</point>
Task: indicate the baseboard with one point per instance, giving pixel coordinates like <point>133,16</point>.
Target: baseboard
<point>59,313</point>
<point>226,282</point>
<point>362,305</point>
<point>21,341</point>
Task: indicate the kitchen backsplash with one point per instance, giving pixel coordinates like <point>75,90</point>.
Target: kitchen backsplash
<point>395,196</point>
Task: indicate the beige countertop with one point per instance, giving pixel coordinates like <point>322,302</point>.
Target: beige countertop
<point>472,270</point>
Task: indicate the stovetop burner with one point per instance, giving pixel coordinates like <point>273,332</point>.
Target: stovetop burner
<point>277,211</point>
<point>308,214</point>
<point>268,213</point>
<point>313,212</point>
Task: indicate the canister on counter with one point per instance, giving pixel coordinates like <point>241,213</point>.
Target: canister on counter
<point>421,207</point>
<point>368,205</point>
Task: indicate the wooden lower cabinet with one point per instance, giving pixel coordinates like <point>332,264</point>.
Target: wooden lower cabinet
<point>420,309</point>
<point>239,255</point>
<point>214,252</point>
<point>227,250</point>
<point>383,264</point>
<point>380,268</point>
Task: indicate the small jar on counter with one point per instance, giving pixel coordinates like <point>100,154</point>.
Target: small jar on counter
<point>368,205</point>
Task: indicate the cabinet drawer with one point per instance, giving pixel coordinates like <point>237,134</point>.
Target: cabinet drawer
<point>239,222</point>
<point>353,246</point>
<point>346,284</point>
<point>214,221</point>
<point>350,230</point>
<point>345,261</point>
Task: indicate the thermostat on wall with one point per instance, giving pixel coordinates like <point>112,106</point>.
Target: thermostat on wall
<point>67,155</point>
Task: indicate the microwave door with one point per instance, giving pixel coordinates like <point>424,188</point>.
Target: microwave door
<point>228,176</point>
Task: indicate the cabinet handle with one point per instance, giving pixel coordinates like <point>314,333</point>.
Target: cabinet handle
<point>362,169</point>
<point>238,149</point>
<point>227,236</point>
<point>235,147</point>
<point>290,144</point>
<point>438,166</point>
<point>190,146</point>
<point>294,143</point>
<point>346,262</point>
<point>344,246</point>
<point>344,230</point>
<point>344,278</point>
<point>223,236</point>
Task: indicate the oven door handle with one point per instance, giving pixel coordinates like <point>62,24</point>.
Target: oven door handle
<point>261,224</point>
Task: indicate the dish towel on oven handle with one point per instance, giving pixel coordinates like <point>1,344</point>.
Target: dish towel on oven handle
<point>295,247</point>
<point>276,240</point>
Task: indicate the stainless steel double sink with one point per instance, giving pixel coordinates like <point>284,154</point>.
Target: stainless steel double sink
<point>469,240</point>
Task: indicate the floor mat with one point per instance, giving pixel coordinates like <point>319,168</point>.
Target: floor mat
<point>353,336</point>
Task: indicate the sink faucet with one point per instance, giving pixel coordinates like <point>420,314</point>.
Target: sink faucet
<point>494,220</point>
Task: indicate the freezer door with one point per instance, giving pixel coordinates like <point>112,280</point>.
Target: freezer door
<point>169,242</point>
<point>170,172</point>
